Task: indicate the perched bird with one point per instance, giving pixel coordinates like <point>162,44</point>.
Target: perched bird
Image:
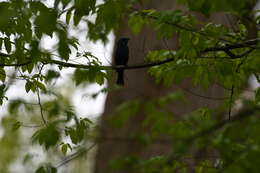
<point>121,58</point>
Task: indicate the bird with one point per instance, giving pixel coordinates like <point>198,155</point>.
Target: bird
<point>121,58</point>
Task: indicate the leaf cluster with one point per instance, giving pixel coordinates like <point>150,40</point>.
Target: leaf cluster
<point>208,54</point>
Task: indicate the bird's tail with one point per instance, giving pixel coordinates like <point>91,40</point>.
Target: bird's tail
<point>120,77</point>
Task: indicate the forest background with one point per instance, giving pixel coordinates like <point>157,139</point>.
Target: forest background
<point>187,104</point>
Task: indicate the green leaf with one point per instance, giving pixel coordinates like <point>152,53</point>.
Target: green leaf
<point>77,17</point>
<point>33,85</point>
<point>2,74</point>
<point>257,95</point>
<point>1,43</point>
<point>68,16</point>
<point>93,74</point>
<point>64,49</point>
<point>83,8</point>
<point>46,169</point>
<point>159,55</point>
<point>242,28</point>
<point>77,134</point>
<point>14,105</point>
<point>109,16</point>
<point>43,137</point>
<point>73,135</point>
<point>28,86</point>
<point>29,67</point>
<point>51,75</point>
<point>65,3</point>
<point>64,148</point>
<point>46,21</point>
<point>56,3</point>
<point>124,112</point>
<point>16,125</point>
<point>136,22</point>
<point>2,93</point>
<point>7,44</point>
<point>41,170</point>
<point>40,85</point>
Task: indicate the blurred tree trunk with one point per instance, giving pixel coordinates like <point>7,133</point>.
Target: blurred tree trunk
<point>138,84</point>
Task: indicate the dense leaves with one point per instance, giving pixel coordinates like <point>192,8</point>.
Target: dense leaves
<point>208,53</point>
<point>46,169</point>
<point>208,6</point>
<point>44,138</point>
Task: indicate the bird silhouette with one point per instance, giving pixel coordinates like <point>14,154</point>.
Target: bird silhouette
<point>121,58</point>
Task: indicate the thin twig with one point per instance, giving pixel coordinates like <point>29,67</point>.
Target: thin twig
<point>74,156</point>
<point>234,56</point>
<point>244,44</point>
<point>246,113</point>
<point>40,105</point>
<point>39,98</point>
<point>230,101</point>
<point>202,96</point>
<point>31,126</point>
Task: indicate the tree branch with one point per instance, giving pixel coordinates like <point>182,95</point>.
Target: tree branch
<point>246,113</point>
<point>12,65</point>
<point>226,48</point>
<point>40,105</point>
<point>135,66</point>
<point>75,155</point>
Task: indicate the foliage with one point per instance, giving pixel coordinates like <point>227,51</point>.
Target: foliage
<point>209,53</point>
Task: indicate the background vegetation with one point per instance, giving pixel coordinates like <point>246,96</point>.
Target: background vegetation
<point>208,54</point>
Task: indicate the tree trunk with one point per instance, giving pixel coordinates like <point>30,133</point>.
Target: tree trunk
<point>138,84</point>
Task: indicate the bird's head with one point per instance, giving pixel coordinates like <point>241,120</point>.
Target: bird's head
<point>123,41</point>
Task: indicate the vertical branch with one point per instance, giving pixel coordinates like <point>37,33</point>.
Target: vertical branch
<point>40,105</point>
<point>39,98</point>
<point>230,101</point>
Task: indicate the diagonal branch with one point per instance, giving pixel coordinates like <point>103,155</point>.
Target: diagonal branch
<point>244,114</point>
<point>75,155</point>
